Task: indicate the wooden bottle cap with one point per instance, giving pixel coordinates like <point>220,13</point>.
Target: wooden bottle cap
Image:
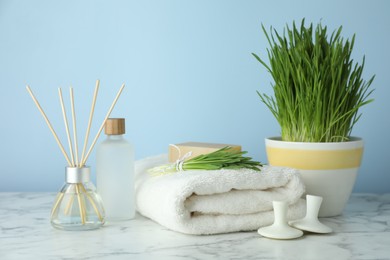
<point>114,126</point>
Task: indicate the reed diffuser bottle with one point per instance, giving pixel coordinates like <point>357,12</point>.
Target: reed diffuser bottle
<point>77,206</point>
<point>115,172</point>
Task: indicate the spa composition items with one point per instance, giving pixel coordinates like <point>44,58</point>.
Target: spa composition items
<point>77,205</point>
<point>115,172</point>
<point>175,151</point>
<point>225,158</point>
<point>204,202</point>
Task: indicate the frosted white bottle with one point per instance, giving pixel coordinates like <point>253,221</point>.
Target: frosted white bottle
<point>115,172</point>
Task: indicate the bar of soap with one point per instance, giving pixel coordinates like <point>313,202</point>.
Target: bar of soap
<point>197,149</point>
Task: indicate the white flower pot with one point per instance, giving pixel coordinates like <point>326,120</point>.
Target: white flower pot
<point>328,170</point>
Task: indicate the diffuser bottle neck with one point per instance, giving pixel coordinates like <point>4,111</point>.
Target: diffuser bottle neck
<point>77,175</point>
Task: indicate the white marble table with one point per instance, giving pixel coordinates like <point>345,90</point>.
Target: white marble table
<point>362,232</point>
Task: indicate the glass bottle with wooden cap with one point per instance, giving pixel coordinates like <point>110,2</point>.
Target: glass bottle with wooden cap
<point>115,172</point>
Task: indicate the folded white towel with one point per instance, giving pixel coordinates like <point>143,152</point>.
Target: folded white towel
<point>211,202</point>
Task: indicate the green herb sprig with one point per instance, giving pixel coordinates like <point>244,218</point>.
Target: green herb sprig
<point>318,88</point>
<point>223,158</point>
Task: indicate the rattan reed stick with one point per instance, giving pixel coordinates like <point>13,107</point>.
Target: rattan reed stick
<point>76,148</point>
<point>49,125</point>
<point>89,121</point>
<point>89,197</point>
<point>83,201</point>
<point>70,202</point>
<point>102,126</point>
<point>57,203</point>
<point>66,126</point>
<point>81,206</point>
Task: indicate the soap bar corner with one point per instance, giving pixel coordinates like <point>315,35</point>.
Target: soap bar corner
<point>197,148</point>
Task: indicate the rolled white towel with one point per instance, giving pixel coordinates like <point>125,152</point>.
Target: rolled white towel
<point>210,202</point>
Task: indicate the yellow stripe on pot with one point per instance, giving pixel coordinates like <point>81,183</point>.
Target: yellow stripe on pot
<point>315,159</point>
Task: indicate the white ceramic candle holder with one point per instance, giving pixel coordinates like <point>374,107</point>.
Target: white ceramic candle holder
<point>310,222</point>
<point>280,228</point>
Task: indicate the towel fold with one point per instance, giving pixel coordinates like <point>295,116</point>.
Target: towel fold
<point>221,201</point>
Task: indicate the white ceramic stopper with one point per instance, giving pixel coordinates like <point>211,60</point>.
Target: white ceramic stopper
<point>280,229</point>
<point>310,222</point>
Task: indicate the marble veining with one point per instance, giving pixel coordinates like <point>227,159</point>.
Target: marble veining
<point>362,232</point>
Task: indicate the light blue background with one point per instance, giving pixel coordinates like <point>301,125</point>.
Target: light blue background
<point>188,71</point>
